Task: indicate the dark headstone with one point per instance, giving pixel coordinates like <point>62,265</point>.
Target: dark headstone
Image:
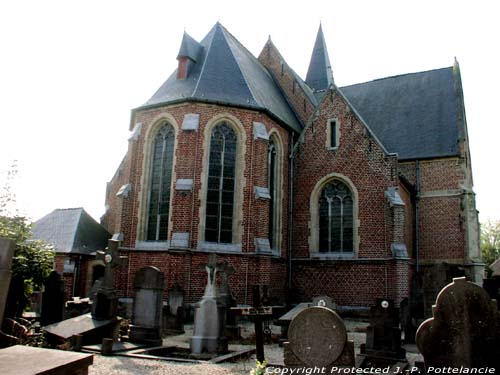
<point>492,287</point>
<point>383,335</point>
<point>318,338</point>
<point>105,303</point>
<point>53,300</point>
<point>6,254</point>
<point>464,330</point>
<point>16,300</point>
<point>148,306</point>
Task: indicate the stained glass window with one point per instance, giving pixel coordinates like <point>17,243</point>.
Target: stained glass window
<point>336,218</point>
<point>221,183</point>
<point>272,184</point>
<point>161,178</point>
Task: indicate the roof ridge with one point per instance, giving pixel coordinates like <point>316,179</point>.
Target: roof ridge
<point>398,75</point>
<point>212,31</point>
<point>237,62</point>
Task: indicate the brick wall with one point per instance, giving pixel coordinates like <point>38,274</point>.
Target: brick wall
<point>441,222</point>
<point>186,269</point>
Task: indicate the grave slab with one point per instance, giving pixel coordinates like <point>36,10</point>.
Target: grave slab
<point>92,330</point>
<point>43,361</point>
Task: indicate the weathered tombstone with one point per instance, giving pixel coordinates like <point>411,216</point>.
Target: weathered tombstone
<point>173,312</point>
<point>324,301</point>
<point>232,330</point>
<point>464,330</point>
<point>6,254</point>
<point>383,336</point>
<point>318,338</point>
<point>106,301</point>
<point>208,332</point>
<point>16,300</point>
<point>53,300</point>
<point>175,298</point>
<point>285,320</point>
<point>148,305</point>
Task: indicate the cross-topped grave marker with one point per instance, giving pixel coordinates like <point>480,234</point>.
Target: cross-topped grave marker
<point>106,300</point>
<point>258,314</point>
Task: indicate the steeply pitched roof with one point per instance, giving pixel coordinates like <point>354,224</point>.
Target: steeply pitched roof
<point>227,73</point>
<point>190,48</point>
<point>319,75</point>
<point>71,230</point>
<point>414,115</point>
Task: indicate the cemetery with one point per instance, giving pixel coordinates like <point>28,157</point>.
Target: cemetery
<point>463,331</point>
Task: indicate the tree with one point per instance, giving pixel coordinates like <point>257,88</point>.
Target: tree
<point>33,259</point>
<point>490,241</point>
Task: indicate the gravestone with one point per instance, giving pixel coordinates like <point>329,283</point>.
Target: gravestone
<point>208,332</point>
<point>175,298</point>
<point>6,254</point>
<point>464,330</point>
<point>105,303</point>
<point>92,330</point>
<point>148,306</point>
<point>53,300</point>
<point>232,330</point>
<point>174,313</point>
<point>492,287</point>
<point>318,338</point>
<point>383,336</point>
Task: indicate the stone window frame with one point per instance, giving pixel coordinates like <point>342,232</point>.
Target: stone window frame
<point>278,232</point>
<point>240,183</point>
<point>329,133</point>
<point>314,218</point>
<point>155,125</point>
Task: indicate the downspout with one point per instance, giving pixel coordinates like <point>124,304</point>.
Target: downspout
<point>290,212</point>
<point>417,199</point>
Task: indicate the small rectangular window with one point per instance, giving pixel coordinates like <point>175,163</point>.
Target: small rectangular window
<point>333,134</point>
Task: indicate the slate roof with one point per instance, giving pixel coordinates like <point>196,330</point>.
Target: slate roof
<point>226,73</point>
<point>71,230</point>
<point>319,74</point>
<point>414,115</point>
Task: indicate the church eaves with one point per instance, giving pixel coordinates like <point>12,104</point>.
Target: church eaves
<point>319,75</point>
<point>225,73</point>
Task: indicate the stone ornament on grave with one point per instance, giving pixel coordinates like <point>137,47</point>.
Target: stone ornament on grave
<point>464,330</point>
<point>317,336</point>
<point>324,301</point>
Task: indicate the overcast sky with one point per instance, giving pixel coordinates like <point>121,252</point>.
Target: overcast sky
<point>71,71</point>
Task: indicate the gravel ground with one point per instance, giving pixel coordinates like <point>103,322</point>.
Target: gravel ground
<point>274,354</point>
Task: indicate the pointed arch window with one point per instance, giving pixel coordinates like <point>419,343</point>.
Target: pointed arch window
<point>336,218</point>
<point>221,185</point>
<point>272,182</point>
<point>160,186</point>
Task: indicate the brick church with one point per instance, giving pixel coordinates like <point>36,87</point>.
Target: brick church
<point>355,192</point>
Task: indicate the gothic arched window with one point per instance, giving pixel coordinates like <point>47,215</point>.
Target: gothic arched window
<point>336,218</point>
<point>160,186</point>
<point>221,184</point>
<point>272,183</point>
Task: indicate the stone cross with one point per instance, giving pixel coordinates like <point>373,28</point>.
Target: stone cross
<point>112,259</point>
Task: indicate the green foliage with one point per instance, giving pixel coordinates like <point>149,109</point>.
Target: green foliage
<point>490,241</point>
<point>260,368</point>
<point>33,260</point>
